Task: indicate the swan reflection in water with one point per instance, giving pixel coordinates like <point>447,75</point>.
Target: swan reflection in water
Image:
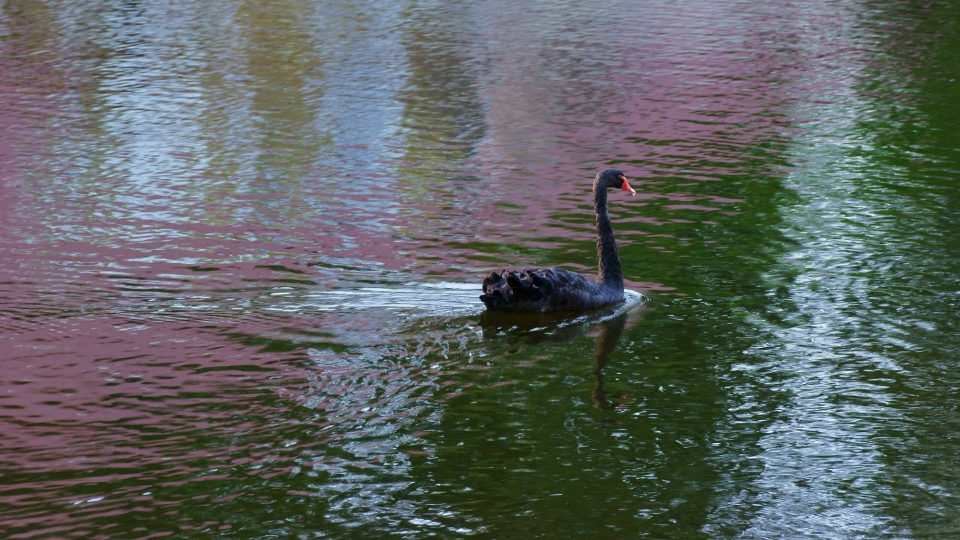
<point>606,326</point>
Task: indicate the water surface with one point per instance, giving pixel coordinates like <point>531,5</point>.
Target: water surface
<point>241,246</point>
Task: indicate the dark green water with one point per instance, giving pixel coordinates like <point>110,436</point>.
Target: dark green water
<point>241,246</point>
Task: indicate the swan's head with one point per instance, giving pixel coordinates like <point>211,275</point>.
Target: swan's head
<point>613,178</point>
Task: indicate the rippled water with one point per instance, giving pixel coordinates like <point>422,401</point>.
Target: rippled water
<point>241,245</point>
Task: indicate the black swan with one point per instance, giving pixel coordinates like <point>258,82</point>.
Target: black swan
<point>555,289</point>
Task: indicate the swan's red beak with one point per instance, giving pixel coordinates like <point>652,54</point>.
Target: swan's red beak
<point>626,186</point>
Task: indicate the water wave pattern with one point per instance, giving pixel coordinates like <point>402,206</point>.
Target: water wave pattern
<point>241,245</point>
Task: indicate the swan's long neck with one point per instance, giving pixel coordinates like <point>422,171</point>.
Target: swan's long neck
<point>608,260</point>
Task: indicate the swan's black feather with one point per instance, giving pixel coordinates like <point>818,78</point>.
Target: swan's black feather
<point>544,289</point>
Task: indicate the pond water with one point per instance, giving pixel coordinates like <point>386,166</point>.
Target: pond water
<point>241,244</point>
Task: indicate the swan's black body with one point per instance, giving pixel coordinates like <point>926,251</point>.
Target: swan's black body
<point>555,289</point>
